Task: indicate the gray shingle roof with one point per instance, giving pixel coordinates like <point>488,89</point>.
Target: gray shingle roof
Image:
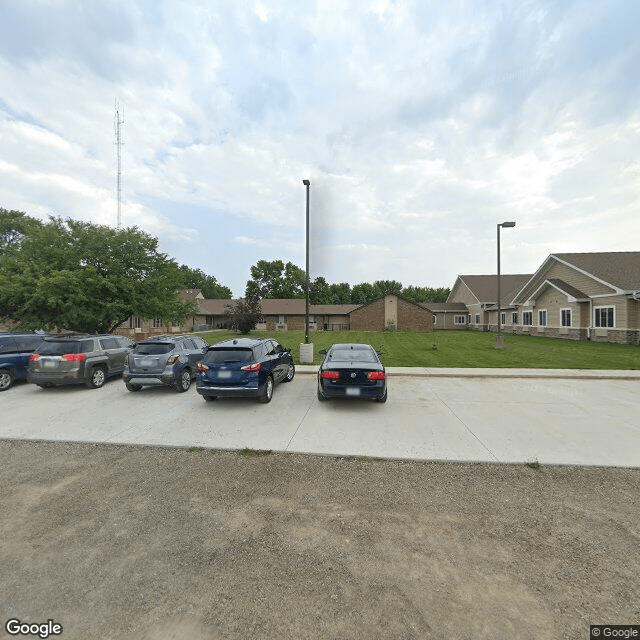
<point>486,290</point>
<point>619,268</point>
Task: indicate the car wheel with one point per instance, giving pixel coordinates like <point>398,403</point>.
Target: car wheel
<point>383,398</point>
<point>97,378</point>
<point>320,396</point>
<point>291,371</point>
<point>133,387</point>
<point>6,379</point>
<point>184,381</point>
<point>210,398</point>
<point>267,394</point>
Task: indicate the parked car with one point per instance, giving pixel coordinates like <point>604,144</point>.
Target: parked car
<point>244,367</point>
<point>164,360</point>
<point>78,359</point>
<point>15,349</point>
<point>352,370</point>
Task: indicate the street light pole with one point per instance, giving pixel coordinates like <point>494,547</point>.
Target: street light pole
<point>503,224</point>
<point>307,184</point>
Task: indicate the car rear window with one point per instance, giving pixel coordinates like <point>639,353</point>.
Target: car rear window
<point>153,348</point>
<point>58,348</point>
<point>226,356</point>
<point>350,355</point>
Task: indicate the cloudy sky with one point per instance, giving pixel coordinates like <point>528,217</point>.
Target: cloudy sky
<point>420,124</point>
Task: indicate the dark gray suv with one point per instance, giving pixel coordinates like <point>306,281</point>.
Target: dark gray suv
<point>164,360</point>
<point>78,359</point>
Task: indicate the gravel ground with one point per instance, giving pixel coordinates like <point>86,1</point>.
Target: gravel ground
<point>159,543</point>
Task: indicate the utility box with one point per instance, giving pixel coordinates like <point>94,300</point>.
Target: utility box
<point>306,353</point>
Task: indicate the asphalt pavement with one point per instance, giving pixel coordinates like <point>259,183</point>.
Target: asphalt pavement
<point>478,415</point>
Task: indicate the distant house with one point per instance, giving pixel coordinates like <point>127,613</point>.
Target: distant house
<point>479,294</point>
<point>448,315</point>
<point>391,311</point>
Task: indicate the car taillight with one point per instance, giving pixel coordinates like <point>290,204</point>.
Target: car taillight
<point>202,367</point>
<point>330,375</point>
<point>74,357</point>
<point>376,375</point>
<point>34,357</point>
<point>256,366</point>
<point>173,359</point>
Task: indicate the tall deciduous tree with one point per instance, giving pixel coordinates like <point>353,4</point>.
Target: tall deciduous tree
<point>14,226</point>
<point>275,279</point>
<point>74,275</point>
<point>198,279</point>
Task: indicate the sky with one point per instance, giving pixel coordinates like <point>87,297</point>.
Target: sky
<point>420,124</point>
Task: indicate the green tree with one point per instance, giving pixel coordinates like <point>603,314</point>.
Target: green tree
<point>382,287</point>
<point>80,276</point>
<point>320,292</point>
<point>426,294</point>
<point>363,293</point>
<point>14,226</point>
<point>198,279</point>
<point>340,293</point>
<point>275,279</point>
<point>245,314</point>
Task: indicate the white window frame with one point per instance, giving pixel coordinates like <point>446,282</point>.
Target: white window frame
<point>435,319</point>
<point>158,322</point>
<point>542,317</point>
<point>282,319</point>
<point>459,319</point>
<point>476,320</point>
<point>503,318</point>
<point>524,318</point>
<point>135,322</point>
<point>562,319</point>
<point>595,317</point>
<point>514,317</point>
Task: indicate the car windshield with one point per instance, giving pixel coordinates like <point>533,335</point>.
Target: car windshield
<point>60,347</point>
<point>227,356</point>
<point>153,348</point>
<point>358,354</point>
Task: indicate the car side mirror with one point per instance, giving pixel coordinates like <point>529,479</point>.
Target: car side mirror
<point>378,354</point>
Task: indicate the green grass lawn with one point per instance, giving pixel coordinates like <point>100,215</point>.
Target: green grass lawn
<point>465,349</point>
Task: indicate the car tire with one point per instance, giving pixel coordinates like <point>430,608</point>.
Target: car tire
<point>132,387</point>
<point>6,379</point>
<point>210,398</point>
<point>291,371</point>
<point>184,381</point>
<point>267,394</point>
<point>382,398</point>
<point>97,377</point>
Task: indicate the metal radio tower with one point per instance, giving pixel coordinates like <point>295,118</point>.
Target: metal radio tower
<point>118,121</point>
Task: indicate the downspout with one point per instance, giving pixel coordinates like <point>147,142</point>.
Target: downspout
<point>590,319</point>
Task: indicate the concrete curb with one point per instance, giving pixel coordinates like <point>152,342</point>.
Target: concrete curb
<point>556,374</point>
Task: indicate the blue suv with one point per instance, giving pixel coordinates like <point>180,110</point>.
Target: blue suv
<point>244,367</point>
<point>15,349</point>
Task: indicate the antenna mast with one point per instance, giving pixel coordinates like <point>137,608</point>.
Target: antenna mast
<point>118,120</point>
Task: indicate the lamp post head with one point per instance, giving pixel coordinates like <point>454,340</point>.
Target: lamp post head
<point>507,224</point>
<point>306,183</point>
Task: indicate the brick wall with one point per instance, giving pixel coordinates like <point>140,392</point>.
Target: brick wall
<point>369,317</point>
<point>413,318</point>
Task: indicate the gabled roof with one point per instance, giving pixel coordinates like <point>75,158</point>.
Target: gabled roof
<point>445,307</point>
<point>390,293</point>
<point>214,307</point>
<point>485,287</point>
<point>618,268</point>
<point>185,295</point>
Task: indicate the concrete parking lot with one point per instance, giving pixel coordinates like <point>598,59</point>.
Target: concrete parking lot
<point>484,418</point>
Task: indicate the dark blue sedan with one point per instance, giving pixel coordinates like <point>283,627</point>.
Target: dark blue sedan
<point>352,370</point>
<point>244,367</point>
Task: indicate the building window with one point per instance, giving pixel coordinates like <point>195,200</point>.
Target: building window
<point>282,319</point>
<point>459,319</point>
<point>503,317</point>
<point>514,317</point>
<point>527,318</point>
<point>157,322</point>
<point>477,318</point>
<point>135,322</point>
<point>542,318</point>
<point>605,316</point>
<point>435,319</point>
<point>312,319</point>
<point>565,317</point>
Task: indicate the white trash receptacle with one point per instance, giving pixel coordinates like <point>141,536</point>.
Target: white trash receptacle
<point>306,353</point>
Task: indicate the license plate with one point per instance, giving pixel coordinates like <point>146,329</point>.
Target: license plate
<point>147,362</point>
<point>352,391</point>
<point>48,364</point>
<point>224,374</point>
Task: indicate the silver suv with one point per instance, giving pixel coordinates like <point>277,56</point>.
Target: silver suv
<point>77,359</point>
<point>164,360</point>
